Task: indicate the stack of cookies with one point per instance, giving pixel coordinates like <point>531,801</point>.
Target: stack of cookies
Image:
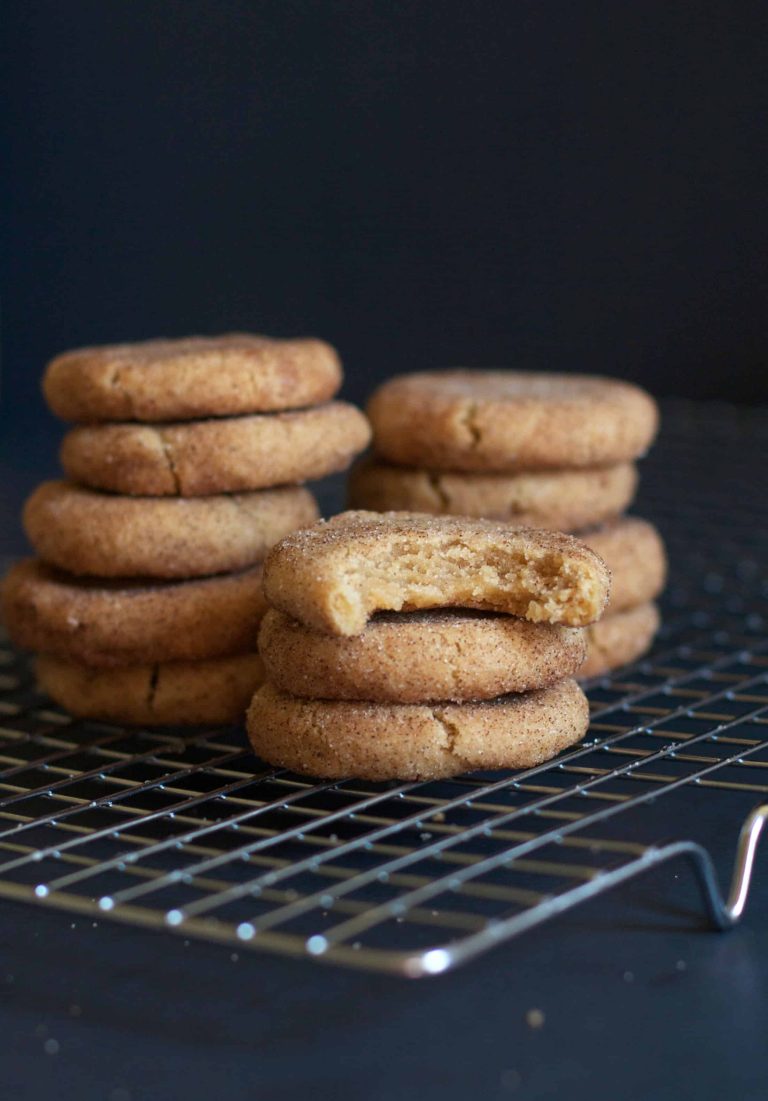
<point>539,450</point>
<point>144,602</point>
<point>405,646</point>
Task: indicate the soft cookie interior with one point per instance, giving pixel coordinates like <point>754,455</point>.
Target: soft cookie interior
<point>541,587</point>
<point>405,566</point>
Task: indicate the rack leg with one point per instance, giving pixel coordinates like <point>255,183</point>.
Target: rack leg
<point>724,913</point>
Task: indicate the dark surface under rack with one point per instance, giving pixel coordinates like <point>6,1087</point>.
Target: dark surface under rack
<point>192,835</point>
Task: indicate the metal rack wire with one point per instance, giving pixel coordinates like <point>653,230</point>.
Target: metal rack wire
<point>191,834</point>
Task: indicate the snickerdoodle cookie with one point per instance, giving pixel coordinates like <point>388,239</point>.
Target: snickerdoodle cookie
<point>415,657</point>
<point>510,420</point>
<point>379,741</point>
<point>619,639</point>
<point>334,575</point>
<point>224,455</point>
<point>564,500</point>
<point>198,376</point>
<point>105,622</point>
<point>84,531</point>
<point>173,693</point>
<point>633,551</point>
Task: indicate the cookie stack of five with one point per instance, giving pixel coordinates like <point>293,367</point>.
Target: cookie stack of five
<point>144,602</point>
<point>404,646</point>
<point>540,450</point>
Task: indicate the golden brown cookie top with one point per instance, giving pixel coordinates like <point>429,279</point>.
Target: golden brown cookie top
<point>510,420</point>
<point>197,376</point>
<point>335,574</point>
<point>509,385</point>
<point>359,525</point>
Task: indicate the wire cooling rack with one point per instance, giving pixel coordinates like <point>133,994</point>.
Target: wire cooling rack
<point>192,834</point>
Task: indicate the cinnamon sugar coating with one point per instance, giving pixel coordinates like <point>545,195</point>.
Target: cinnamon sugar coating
<point>377,741</point>
<point>416,657</point>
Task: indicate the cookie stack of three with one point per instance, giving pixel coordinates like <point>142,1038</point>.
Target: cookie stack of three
<point>403,646</point>
<point>144,602</point>
<point>540,450</point>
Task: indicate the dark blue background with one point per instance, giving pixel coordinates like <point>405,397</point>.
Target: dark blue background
<point>567,185</point>
<point>571,185</point>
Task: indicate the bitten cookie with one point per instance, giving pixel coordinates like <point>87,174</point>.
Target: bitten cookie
<point>510,420</point>
<point>563,500</point>
<point>87,532</point>
<point>376,741</point>
<point>336,574</point>
<point>619,639</point>
<point>198,376</point>
<point>419,656</point>
<point>226,455</point>
<point>180,693</point>
<point>633,551</point>
<point>106,623</point>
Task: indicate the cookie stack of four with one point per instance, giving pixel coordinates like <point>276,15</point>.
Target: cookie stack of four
<point>144,602</point>
<point>540,450</point>
<point>402,646</point>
